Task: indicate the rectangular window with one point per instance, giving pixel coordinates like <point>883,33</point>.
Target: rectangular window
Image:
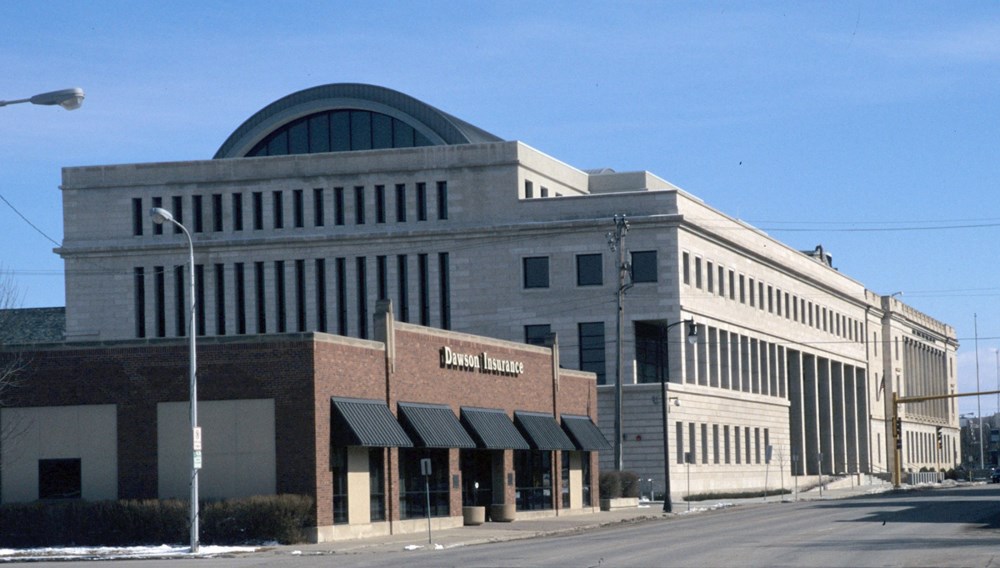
<point>260,296</point>
<point>217,212</point>
<point>535,334</point>
<point>644,266</point>
<point>592,352</point>
<point>199,293</point>
<point>157,228</point>
<point>237,211</point>
<point>318,218</point>
<point>732,284</point>
<point>159,301</point>
<point>704,443</point>
<point>760,289</point>
<point>722,281</point>
<point>279,296</point>
<point>321,294</point>
<point>341,269</point>
<point>241,298</point>
<point>298,209</point>
<point>300,295</point>
<point>258,210</point>
<point>697,272</point>
<point>692,442</point>
<point>444,289</point>
<point>543,191</point>
<point>382,277</point>
<point>278,206</point>
<point>442,200</point>
<point>359,205</point>
<point>180,307</point>
<point>726,445</point>
<point>400,203</point>
<point>536,272</point>
<point>220,300</point>
<point>137,216</point>
<point>198,213</point>
<point>361,265</point>
<point>424,289</point>
<point>529,189</point>
<point>60,479</point>
<point>177,206</point>
<point>140,301</point>
<point>589,270</point>
<point>402,275</point>
<point>679,434</point>
<point>746,444</point>
<point>421,202</point>
<point>380,204</point>
<point>715,444</point>
<point>736,444</point>
<point>756,444</point>
<point>770,299</point>
<point>686,268</point>
<point>710,277</point>
<point>338,206</point>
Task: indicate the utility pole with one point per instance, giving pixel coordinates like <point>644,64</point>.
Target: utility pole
<point>616,241</point>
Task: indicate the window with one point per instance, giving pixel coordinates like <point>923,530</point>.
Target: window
<point>180,308</point>
<point>732,284</point>
<point>159,301</point>
<point>177,204</point>
<point>536,272</point>
<point>380,204</point>
<point>644,266</point>
<point>543,191</point>
<point>743,297</point>
<point>591,343</point>
<point>442,200</point>
<point>259,296</point>
<point>423,289</point>
<point>258,210</point>
<point>321,294</point>
<point>318,219</point>
<point>359,205</point>
<point>59,479</point>
<point>382,277</point>
<point>157,228</point>
<point>535,334</point>
<point>237,200</point>
<point>338,205</point>
<point>199,294</point>
<point>361,265</point>
<point>137,216</point>
<point>686,267</point>
<point>216,212</point>
<point>400,203</point>
<point>722,281</point>
<point>241,298</point>
<point>197,213</point>
<point>279,295</point>
<point>338,467</point>
<point>298,209</point>
<point>300,295</point>
<point>679,427</point>
<point>220,300</point>
<point>589,270</point>
<point>444,289</point>
<point>340,267</point>
<point>402,277</point>
<point>710,277</point>
<point>421,202</point>
<point>697,272</point>
<point>278,210</point>
<point>529,189</point>
<point>140,302</point>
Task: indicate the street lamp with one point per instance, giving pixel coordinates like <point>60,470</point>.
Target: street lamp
<point>160,216</point>
<point>69,99</point>
<point>692,339</point>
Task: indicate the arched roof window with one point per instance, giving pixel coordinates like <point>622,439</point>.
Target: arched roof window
<point>344,117</point>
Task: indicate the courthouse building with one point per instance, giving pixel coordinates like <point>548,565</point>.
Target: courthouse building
<point>333,198</point>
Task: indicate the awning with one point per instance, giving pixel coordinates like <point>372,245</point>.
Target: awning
<point>365,422</point>
<point>542,431</point>
<point>434,426</point>
<point>492,429</point>
<point>584,433</point>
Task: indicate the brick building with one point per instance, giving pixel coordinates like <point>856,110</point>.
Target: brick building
<point>346,421</point>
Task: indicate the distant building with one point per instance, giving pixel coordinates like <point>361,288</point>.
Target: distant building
<point>335,197</point>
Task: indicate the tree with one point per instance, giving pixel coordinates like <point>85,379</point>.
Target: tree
<point>12,361</point>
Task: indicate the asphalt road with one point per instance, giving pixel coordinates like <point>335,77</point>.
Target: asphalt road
<point>940,527</point>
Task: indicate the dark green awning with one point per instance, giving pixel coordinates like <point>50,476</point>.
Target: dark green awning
<point>434,426</point>
<point>365,422</point>
<point>542,431</point>
<point>492,429</point>
<point>584,433</point>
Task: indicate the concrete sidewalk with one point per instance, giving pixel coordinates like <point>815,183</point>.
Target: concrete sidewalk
<point>648,511</point>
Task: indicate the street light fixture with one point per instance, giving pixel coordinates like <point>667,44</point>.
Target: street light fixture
<point>692,338</point>
<point>69,99</point>
<point>160,216</point>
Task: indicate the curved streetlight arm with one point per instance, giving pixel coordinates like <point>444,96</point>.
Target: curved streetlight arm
<point>69,99</point>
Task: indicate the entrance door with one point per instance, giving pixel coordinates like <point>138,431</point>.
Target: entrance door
<point>477,476</point>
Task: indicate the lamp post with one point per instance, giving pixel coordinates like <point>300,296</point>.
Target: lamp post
<point>69,99</point>
<point>159,217</point>
<point>692,339</point>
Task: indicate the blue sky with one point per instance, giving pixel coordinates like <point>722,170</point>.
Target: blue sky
<point>873,130</point>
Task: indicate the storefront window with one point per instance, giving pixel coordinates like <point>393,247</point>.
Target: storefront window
<point>564,488</point>
<point>585,466</point>
<point>376,482</point>
<point>339,466</point>
<point>413,485</point>
<point>533,469</point>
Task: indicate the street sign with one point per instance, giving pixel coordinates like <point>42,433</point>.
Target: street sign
<point>196,438</point>
<point>425,466</point>
<point>197,459</point>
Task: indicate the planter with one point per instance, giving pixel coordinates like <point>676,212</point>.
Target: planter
<point>474,515</point>
<point>504,513</point>
<point>619,503</point>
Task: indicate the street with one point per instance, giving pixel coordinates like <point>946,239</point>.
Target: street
<point>940,527</point>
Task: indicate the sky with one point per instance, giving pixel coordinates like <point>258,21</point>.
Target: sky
<point>870,128</point>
